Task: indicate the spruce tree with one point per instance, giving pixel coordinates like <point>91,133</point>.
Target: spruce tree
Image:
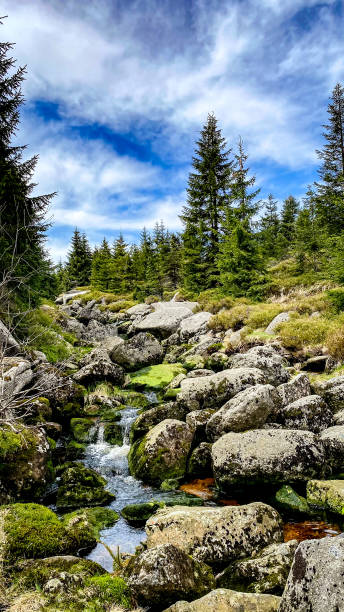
<point>269,227</point>
<point>78,268</point>
<point>239,262</point>
<point>23,263</point>
<point>330,189</point>
<point>286,234</point>
<point>120,262</point>
<point>207,197</point>
<point>101,275</point>
<point>307,244</point>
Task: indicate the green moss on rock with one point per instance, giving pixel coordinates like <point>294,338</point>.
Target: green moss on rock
<point>138,514</point>
<point>81,486</point>
<point>82,429</point>
<point>113,434</point>
<point>287,499</point>
<point>157,376</point>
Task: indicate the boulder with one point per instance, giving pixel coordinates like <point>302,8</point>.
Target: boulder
<point>139,310</point>
<point>199,464</point>
<point>333,440</point>
<point>198,373</point>
<point>96,331</point>
<point>58,389</point>
<point>15,375</point>
<point>263,358</point>
<point>138,514</point>
<point>310,413</point>
<point>99,370</point>
<point>249,409</point>
<point>282,317</point>
<point>74,327</point>
<point>287,499</point>
<point>338,418</point>
<point>232,339</point>
<point>80,486</point>
<point>164,321</point>
<point>333,396</point>
<point>216,535</point>
<point>225,600</point>
<point>153,416</point>
<point>24,463</point>
<point>194,325</point>
<point>213,391</point>
<point>294,389</point>
<point>267,456</point>
<point>266,572</point>
<point>197,421</point>
<point>162,575</point>
<point>162,453</point>
<point>8,344</point>
<point>326,494</point>
<point>137,352</point>
<point>35,573</point>
<point>316,579</point>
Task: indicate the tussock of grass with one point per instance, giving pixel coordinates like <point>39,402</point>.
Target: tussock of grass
<point>303,331</point>
<point>234,318</point>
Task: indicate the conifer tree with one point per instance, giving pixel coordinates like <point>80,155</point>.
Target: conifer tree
<point>78,268</point>
<point>330,191</point>
<point>101,274</point>
<point>208,189</point>
<point>286,234</point>
<point>239,262</point>
<point>307,242</point>
<point>22,224</point>
<point>119,266</point>
<point>269,227</point>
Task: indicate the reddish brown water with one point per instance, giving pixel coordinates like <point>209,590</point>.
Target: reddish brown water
<point>200,487</point>
<point>310,530</point>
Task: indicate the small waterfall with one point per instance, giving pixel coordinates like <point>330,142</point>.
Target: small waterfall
<point>128,417</point>
<point>152,397</point>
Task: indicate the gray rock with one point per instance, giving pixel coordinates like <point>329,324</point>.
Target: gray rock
<point>213,391</point>
<point>267,456</point>
<point>96,331</point>
<point>153,416</point>
<point>8,344</point>
<point>15,375</point>
<point>175,383</point>
<point>282,317</point>
<point>162,453</point>
<point>326,494</point>
<point>310,413</point>
<point>194,325</point>
<point>334,397</point>
<point>316,579</point>
<point>232,339</point>
<point>294,389</point>
<point>200,372</point>
<point>137,352</point>
<point>339,418</point>
<point>249,409</point>
<point>264,358</point>
<point>164,321</point>
<point>265,572</point>
<point>199,464</point>
<point>162,575</point>
<point>197,419</point>
<point>139,310</point>
<point>75,327</point>
<point>99,370</point>
<point>225,600</point>
<point>316,364</point>
<point>333,440</point>
<point>216,535</point>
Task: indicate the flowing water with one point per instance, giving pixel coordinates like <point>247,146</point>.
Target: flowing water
<point>112,463</point>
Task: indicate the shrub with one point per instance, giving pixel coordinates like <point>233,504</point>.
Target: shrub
<point>234,318</point>
<point>260,315</point>
<point>335,343</point>
<point>303,331</point>
<point>336,298</point>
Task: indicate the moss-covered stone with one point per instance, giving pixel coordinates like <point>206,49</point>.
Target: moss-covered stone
<point>113,434</point>
<point>24,456</point>
<point>194,362</point>
<point>171,393</point>
<point>75,450</point>
<point>82,429</point>
<point>162,453</point>
<point>326,494</point>
<point>287,499</point>
<point>81,486</point>
<point>157,376</point>
<point>170,484</point>
<point>138,514</point>
<point>91,520</point>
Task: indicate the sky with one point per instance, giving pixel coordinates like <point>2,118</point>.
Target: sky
<point>118,90</point>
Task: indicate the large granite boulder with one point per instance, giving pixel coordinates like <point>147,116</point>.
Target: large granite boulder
<point>282,317</point>
<point>58,389</point>
<point>164,321</point>
<point>333,440</point>
<point>216,535</point>
<point>99,370</point>
<point>297,387</point>
<point>80,486</point>
<point>268,456</point>
<point>310,413</point>
<point>249,409</point>
<point>316,578</point>
<point>264,358</point>
<point>15,375</point>
<point>194,325</point>
<point>332,391</point>
<point>225,600</point>
<point>162,453</point>
<point>213,391</point>
<point>8,344</point>
<point>265,572</point>
<point>163,574</point>
<point>137,352</point>
<point>149,418</point>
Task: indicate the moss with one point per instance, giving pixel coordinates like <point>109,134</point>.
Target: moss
<point>10,443</point>
<point>31,574</point>
<point>52,443</point>
<point>138,514</point>
<point>287,499</point>
<point>75,450</point>
<point>110,590</point>
<point>328,495</point>
<point>113,434</point>
<point>96,519</point>
<point>81,429</point>
<point>33,531</point>
<point>171,394</point>
<point>194,362</point>
<point>170,484</point>
<point>81,486</point>
<point>157,376</point>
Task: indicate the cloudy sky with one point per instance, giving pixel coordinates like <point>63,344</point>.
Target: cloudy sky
<point>117,91</point>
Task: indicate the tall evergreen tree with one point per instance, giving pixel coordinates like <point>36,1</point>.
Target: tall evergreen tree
<point>330,191</point>
<point>101,274</point>
<point>119,266</point>
<point>239,262</point>
<point>286,234</point>
<point>78,268</point>
<point>269,227</point>
<point>307,243</point>
<point>22,224</point>
<point>208,190</point>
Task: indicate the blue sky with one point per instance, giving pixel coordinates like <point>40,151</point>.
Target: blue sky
<point>117,91</point>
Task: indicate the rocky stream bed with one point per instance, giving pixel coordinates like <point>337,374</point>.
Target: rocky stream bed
<point>171,467</point>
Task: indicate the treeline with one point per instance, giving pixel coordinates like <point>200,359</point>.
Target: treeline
<point>230,236</point>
